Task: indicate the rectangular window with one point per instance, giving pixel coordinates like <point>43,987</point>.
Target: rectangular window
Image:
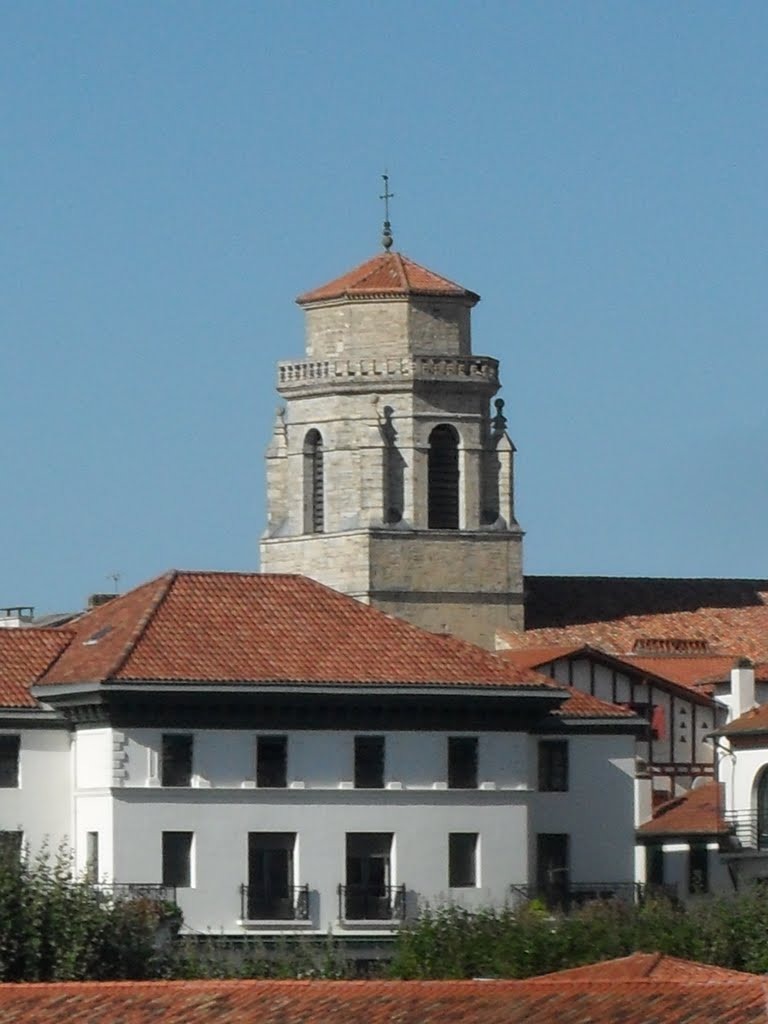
<point>369,762</point>
<point>9,761</point>
<point>698,868</point>
<point>176,761</point>
<point>177,859</point>
<point>553,868</point>
<point>270,876</point>
<point>462,860</point>
<point>368,891</point>
<point>272,762</point>
<point>462,762</point>
<point>654,865</point>
<point>553,766</point>
<point>10,847</point>
<point>92,857</point>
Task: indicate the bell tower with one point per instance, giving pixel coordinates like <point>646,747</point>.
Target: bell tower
<point>389,477</point>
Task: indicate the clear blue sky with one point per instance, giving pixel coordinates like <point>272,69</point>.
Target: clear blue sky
<point>174,173</point>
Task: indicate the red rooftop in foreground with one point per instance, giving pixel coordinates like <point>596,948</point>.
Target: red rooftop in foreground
<point>717,999</point>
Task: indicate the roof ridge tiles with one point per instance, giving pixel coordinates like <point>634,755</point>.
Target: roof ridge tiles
<point>168,578</point>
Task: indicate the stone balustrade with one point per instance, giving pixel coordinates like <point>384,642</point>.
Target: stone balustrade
<point>340,371</point>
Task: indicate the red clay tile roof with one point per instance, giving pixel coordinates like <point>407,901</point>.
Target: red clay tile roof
<point>681,673</point>
<point>647,965</point>
<point>752,721</point>
<point>697,812</point>
<point>387,274</point>
<point>720,631</point>
<point>266,628</point>
<point>537,1001</point>
<point>25,655</point>
<point>583,705</point>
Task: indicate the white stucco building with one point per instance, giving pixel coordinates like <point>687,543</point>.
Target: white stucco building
<point>286,759</point>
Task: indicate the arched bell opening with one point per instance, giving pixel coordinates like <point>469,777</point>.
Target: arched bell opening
<point>314,501</point>
<point>443,479</point>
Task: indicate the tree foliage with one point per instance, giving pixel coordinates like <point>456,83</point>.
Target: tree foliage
<point>452,942</point>
<point>55,929</point>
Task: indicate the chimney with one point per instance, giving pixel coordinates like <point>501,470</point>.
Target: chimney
<point>742,687</point>
<point>96,600</point>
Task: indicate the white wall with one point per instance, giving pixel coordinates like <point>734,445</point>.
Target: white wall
<point>42,805</point>
<point>221,821</point>
<point>597,811</point>
<point>324,758</point>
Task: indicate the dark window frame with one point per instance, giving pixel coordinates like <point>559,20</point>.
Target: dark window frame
<point>177,759</point>
<point>314,482</point>
<point>554,766</point>
<point>370,756</point>
<point>11,845</point>
<point>463,758</point>
<point>272,762</point>
<point>698,868</point>
<point>462,860</point>
<point>92,857</point>
<point>177,863</point>
<point>443,479</point>
<point>10,758</point>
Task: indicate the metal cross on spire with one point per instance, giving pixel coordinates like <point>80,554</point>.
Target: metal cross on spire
<point>386,237</point>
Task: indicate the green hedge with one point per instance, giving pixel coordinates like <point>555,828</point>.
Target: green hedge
<point>451,942</point>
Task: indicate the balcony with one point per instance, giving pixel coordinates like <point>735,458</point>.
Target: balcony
<point>260,904</point>
<point>151,891</point>
<point>331,374</point>
<point>572,895</point>
<point>372,903</point>
<point>749,829</point>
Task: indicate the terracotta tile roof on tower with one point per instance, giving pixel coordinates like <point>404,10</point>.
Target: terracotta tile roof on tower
<point>648,965</point>
<point>697,812</point>
<point>208,627</point>
<point>387,274</point>
<point>636,1000</point>
<point>25,655</point>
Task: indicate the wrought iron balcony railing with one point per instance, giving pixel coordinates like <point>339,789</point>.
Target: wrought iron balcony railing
<point>138,891</point>
<point>260,904</point>
<point>372,903</point>
<point>567,896</point>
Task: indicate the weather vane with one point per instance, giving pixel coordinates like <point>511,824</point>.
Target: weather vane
<point>386,238</point>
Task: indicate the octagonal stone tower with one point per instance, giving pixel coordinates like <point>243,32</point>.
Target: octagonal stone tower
<point>388,478</point>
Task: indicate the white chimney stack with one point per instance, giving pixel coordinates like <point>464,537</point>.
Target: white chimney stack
<point>742,687</point>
